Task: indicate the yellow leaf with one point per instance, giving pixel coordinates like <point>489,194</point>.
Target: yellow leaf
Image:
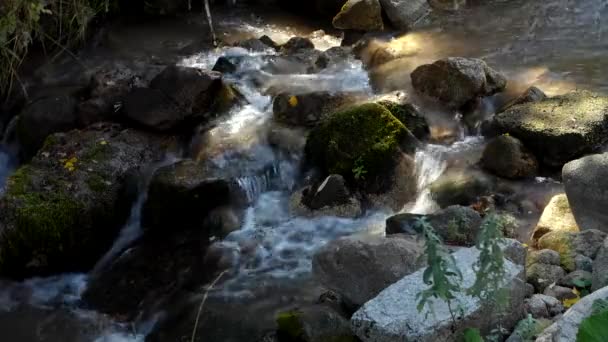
<point>571,301</point>
<point>103,142</point>
<point>293,101</point>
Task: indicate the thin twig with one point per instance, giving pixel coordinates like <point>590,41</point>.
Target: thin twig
<point>210,21</point>
<point>200,307</point>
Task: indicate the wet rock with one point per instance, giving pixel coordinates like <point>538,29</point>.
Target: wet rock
<point>395,189</point>
<point>410,116</point>
<point>455,224</point>
<point>269,42</point>
<point>544,256</point>
<point>362,15</point>
<point>558,129</point>
<point>64,209</point>
<point>566,328</point>
<point>556,216</point>
<point>543,275</point>
<point>392,315</point>
<point>224,65</point>
<point>315,323</point>
<point>222,221</point>
<point>297,44</point>
<point>179,97</point>
<point>359,269</point>
<point>584,182</point>
<point>287,139</point>
<point>578,279</point>
<point>460,187</point>
<point>332,190</point>
<point>364,145</point>
<point>144,277</point>
<point>404,14</point>
<point>559,292</point>
<point>528,328</point>
<point>42,118</point>
<point>455,81</point>
<point>600,267</point>
<point>181,195</point>
<point>532,94</point>
<point>507,157</point>
<point>333,56</point>
<point>255,45</point>
<point>310,108</point>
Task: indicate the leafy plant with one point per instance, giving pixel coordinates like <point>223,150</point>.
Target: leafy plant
<point>359,170</point>
<point>594,328</point>
<point>529,328</point>
<point>441,275</point>
<point>472,335</point>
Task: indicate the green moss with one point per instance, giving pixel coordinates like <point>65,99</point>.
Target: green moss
<point>289,323</point>
<point>410,117</point>
<point>45,226</point>
<point>19,181</point>
<point>50,141</point>
<point>366,136</point>
<point>561,242</point>
<point>96,183</point>
<point>98,152</point>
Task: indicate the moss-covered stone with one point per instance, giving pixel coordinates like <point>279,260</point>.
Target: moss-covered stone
<point>563,243</point>
<point>410,117</point>
<point>463,187</point>
<point>557,216</point>
<point>357,143</point>
<point>63,210</point>
<point>289,324</point>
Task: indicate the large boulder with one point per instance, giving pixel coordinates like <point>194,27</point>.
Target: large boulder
<point>64,209</point>
<point>361,15</point>
<point>364,144</point>
<point>392,315</point>
<point>182,194</point>
<point>455,81</point>
<point>404,14</point>
<point>507,157</point>
<point>179,97</point>
<point>584,183</point>
<point>556,216</point>
<point>359,269</point>
<point>42,118</point>
<point>310,108</point>
<point>558,129</point>
<point>566,328</point>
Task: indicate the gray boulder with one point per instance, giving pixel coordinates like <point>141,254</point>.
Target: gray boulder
<point>359,269</point>
<point>573,279</point>
<point>543,256</point>
<point>361,15</point>
<point>404,14</point>
<point>392,315</point>
<point>542,306</point>
<point>558,129</point>
<point>462,187</point>
<point>455,81</point>
<point>559,292</point>
<point>507,157</point>
<point>543,275</point>
<point>565,329</point>
<point>584,182</point>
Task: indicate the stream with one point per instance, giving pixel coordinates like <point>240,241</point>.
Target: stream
<point>532,43</point>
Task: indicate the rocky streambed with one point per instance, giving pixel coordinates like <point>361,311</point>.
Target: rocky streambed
<point>162,189</point>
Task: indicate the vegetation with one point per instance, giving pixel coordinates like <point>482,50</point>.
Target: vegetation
<point>61,23</point>
<point>445,279</point>
<point>595,327</point>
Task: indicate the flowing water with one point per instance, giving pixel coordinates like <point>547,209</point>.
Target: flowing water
<point>558,45</point>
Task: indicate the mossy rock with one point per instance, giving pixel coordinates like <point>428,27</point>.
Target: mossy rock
<point>462,187</point>
<point>557,216</point>
<point>560,128</point>
<point>563,243</point>
<point>359,143</point>
<point>316,323</point>
<point>62,211</point>
<point>409,115</point>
